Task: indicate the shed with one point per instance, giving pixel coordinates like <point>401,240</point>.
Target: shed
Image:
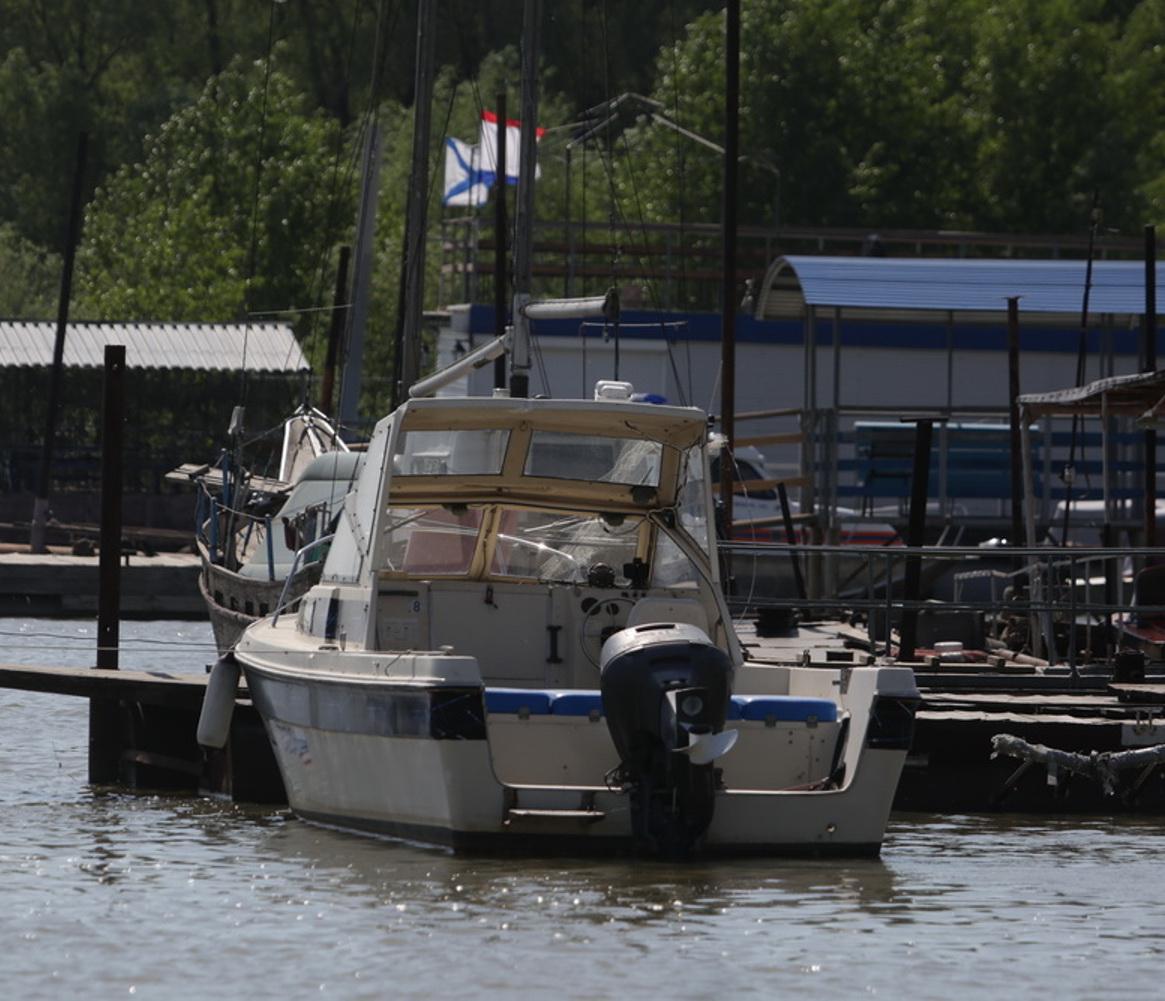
<point>182,382</point>
<point>942,304</point>
<point>946,295</point>
<point>260,348</point>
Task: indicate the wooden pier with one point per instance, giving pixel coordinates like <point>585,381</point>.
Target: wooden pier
<point>952,768</point>
<point>161,586</point>
<point>150,742</point>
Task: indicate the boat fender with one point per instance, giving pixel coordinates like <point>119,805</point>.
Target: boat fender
<point>218,704</point>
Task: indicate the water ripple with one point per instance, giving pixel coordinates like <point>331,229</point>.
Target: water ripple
<point>110,895</point>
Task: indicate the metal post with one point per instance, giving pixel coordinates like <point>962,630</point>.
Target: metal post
<point>352,357</point>
<point>915,537</point>
<point>417,218</point>
<point>568,271</point>
<point>1149,354</point>
<point>501,286</point>
<point>523,240</point>
<point>1013,412</point>
<point>791,539</point>
<point>40,506</point>
<point>267,525</point>
<point>728,283</point>
<point>335,331</point>
<point>1034,581</point>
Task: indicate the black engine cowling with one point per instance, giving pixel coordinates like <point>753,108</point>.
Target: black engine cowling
<point>665,688</point>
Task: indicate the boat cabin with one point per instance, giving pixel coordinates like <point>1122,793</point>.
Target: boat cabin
<point>473,519</point>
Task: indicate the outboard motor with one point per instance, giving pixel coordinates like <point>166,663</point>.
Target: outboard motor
<point>666,690</point>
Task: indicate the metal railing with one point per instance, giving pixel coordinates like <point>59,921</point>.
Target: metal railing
<point>1051,603</point>
<point>300,557</point>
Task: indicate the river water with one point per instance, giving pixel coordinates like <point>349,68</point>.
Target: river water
<point>111,895</point>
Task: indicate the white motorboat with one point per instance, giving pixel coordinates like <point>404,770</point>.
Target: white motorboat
<point>519,642</point>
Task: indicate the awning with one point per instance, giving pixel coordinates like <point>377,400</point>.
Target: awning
<point>1135,395</point>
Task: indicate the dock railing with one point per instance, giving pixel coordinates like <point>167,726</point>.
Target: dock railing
<point>1057,605</point>
<point>855,464</point>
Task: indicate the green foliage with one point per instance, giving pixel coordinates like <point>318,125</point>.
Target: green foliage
<point>29,278</point>
<point>233,211</point>
<point>918,113</point>
<point>220,199</point>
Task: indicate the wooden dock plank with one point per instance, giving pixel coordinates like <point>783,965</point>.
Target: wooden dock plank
<point>148,687</point>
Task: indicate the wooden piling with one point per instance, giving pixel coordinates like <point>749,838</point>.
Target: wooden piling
<point>107,719</point>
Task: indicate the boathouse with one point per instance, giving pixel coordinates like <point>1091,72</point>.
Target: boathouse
<point>837,351</point>
<point>182,381</point>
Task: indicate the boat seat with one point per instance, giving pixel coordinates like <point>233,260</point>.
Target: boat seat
<point>588,702</point>
<point>518,701</point>
<point>782,709</point>
<point>577,703</point>
<point>665,609</point>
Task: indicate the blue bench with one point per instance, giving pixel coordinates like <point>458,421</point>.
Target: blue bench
<point>525,702</point>
<point>978,460</point>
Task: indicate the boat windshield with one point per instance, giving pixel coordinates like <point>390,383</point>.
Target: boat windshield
<point>431,540</point>
<point>672,566</point>
<point>470,452</point>
<point>546,545</point>
<point>596,458</point>
<point>525,543</point>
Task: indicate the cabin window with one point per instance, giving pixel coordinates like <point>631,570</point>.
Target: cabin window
<point>431,540</point>
<point>560,455</point>
<point>672,567</point>
<point>550,545</point>
<point>692,500</point>
<point>472,452</point>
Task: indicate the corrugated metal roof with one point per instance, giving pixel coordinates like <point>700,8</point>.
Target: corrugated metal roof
<point>1119,394</point>
<point>973,286</point>
<point>269,347</point>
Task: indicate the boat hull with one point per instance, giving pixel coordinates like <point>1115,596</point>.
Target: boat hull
<point>234,601</point>
<point>419,758</point>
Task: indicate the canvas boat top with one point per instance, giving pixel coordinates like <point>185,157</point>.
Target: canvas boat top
<point>597,453</point>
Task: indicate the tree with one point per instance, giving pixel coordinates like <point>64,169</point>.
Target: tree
<point>238,201</point>
<point>29,278</point>
<point>915,113</point>
<point>1047,118</point>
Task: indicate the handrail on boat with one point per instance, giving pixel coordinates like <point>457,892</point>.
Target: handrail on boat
<point>299,555</point>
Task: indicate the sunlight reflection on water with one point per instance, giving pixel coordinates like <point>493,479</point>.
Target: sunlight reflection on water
<point>110,895</point>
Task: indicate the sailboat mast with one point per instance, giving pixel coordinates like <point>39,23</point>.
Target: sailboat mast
<point>417,217</point>
<point>524,221</point>
<point>728,223</point>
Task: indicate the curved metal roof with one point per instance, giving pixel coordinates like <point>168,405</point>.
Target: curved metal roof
<point>950,285</point>
<point>267,347</point>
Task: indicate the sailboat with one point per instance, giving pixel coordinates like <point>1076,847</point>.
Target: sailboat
<point>519,641</point>
<point>262,539</point>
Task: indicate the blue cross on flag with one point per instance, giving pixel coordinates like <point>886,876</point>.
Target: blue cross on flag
<point>465,183</point>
